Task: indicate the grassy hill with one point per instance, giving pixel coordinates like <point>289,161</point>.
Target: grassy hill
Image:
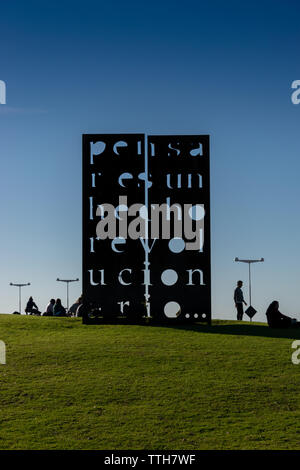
<point>72,386</point>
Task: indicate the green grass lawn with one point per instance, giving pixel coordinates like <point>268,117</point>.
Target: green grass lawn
<point>72,386</point>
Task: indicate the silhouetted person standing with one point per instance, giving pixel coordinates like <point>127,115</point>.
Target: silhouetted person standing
<point>239,300</point>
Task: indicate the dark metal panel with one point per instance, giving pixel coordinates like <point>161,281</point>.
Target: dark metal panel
<point>105,158</point>
<point>180,279</point>
<point>177,292</point>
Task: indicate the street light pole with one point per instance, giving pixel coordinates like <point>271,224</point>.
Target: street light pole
<point>249,264</point>
<point>19,286</point>
<point>67,282</point>
<point>249,261</point>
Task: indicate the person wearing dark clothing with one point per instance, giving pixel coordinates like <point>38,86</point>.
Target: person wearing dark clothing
<point>49,309</point>
<point>238,298</point>
<point>32,308</point>
<point>73,309</point>
<point>276,319</point>
<point>58,309</point>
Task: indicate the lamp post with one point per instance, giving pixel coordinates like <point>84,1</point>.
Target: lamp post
<point>67,282</point>
<point>249,261</point>
<point>19,286</point>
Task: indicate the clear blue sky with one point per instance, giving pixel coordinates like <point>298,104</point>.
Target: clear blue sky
<point>214,67</point>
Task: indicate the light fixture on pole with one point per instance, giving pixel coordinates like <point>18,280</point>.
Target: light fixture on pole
<point>250,310</point>
<point>67,282</point>
<point>20,287</point>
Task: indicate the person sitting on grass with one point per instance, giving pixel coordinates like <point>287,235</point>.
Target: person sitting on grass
<point>73,309</point>
<point>32,308</point>
<point>276,319</point>
<point>49,309</point>
<point>58,309</point>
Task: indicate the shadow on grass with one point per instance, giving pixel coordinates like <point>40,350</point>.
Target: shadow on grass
<point>238,329</point>
<point>218,327</point>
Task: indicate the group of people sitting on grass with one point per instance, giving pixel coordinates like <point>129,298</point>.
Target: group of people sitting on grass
<point>275,318</point>
<point>53,309</point>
